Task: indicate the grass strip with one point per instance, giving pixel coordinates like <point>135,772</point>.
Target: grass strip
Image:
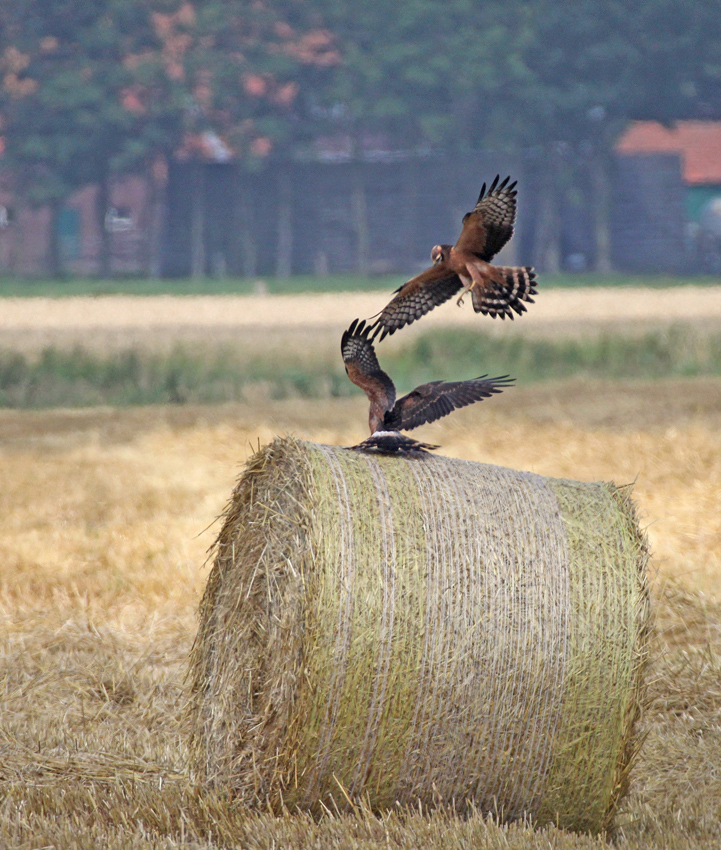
<point>18,287</point>
<point>211,375</point>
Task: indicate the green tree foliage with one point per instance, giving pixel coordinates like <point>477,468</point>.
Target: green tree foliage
<point>83,95</point>
<point>616,60</point>
<point>676,56</point>
<point>242,65</point>
<point>520,72</point>
<point>554,79</point>
<point>92,89</point>
<point>418,71</point>
<point>579,72</point>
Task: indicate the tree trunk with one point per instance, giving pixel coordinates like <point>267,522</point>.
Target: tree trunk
<point>155,219</point>
<point>102,205</point>
<point>284,255</point>
<point>548,228</point>
<point>54,258</point>
<point>360,218</point>
<point>248,252</point>
<point>234,243</point>
<point>601,193</point>
<point>197,224</point>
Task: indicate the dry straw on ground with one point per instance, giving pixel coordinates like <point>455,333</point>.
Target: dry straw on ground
<point>99,583</point>
<point>429,629</point>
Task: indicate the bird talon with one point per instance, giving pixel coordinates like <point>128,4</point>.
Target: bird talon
<point>463,294</point>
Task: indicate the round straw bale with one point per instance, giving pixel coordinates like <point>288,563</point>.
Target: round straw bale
<point>421,629</point>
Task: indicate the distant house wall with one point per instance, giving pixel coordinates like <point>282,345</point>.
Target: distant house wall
<point>25,231</point>
<point>127,220</point>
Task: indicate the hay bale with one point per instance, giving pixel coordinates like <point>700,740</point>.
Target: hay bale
<point>427,629</point>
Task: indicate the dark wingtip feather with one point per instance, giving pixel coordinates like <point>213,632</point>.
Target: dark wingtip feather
<point>503,186</point>
<point>499,380</point>
<point>357,328</point>
<point>497,384</point>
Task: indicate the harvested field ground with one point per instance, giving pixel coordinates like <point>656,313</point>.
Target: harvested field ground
<point>106,525</point>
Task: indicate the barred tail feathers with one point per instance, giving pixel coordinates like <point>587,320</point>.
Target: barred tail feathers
<point>512,285</point>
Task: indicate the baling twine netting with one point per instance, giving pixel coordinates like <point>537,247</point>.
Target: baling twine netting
<point>427,629</point>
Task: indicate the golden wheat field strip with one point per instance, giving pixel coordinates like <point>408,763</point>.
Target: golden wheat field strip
<point>686,303</point>
<point>310,325</point>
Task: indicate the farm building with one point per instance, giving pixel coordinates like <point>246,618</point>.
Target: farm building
<point>698,146</point>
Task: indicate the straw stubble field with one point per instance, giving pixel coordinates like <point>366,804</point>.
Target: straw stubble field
<point>108,515</point>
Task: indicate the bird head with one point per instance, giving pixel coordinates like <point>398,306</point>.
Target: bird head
<point>439,253</point>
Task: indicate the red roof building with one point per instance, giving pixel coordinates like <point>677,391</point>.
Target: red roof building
<point>697,143</point>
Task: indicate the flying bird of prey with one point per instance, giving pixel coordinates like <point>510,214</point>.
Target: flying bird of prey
<point>388,415</point>
<point>495,290</point>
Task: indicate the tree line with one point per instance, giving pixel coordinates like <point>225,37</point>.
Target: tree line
<point>92,90</point>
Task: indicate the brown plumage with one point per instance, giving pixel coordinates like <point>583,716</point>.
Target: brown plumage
<point>426,403</point>
<point>495,290</point>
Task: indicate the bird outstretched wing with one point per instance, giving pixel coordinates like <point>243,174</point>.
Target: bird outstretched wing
<point>490,225</point>
<point>439,398</point>
<point>362,367</point>
<point>417,297</point>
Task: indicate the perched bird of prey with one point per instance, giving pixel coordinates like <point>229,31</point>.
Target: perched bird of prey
<point>495,290</point>
<point>388,415</point>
